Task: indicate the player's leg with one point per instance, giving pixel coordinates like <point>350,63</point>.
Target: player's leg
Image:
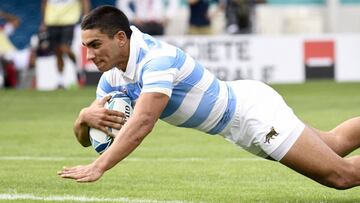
<point>312,157</point>
<point>344,138</point>
<point>270,125</point>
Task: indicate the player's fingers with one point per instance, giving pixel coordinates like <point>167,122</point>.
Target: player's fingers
<point>107,132</point>
<point>122,120</point>
<point>91,176</point>
<point>115,113</point>
<point>85,179</point>
<point>104,100</point>
<point>67,176</point>
<point>113,118</point>
<point>69,170</point>
<point>117,127</point>
<point>76,175</point>
<point>110,124</point>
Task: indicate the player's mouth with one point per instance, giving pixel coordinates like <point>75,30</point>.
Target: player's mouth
<point>97,63</point>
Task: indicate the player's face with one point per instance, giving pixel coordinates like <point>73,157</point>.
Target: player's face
<point>104,51</point>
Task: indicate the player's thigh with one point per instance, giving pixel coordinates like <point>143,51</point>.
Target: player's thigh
<point>311,156</point>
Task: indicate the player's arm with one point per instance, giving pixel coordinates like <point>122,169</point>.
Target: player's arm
<point>96,116</point>
<point>147,111</point>
<point>81,130</point>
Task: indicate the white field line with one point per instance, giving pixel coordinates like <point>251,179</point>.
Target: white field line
<point>184,159</point>
<point>80,199</point>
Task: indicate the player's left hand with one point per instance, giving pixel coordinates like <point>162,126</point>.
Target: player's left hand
<point>82,173</point>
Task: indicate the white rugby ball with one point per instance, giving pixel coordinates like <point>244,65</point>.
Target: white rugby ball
<point>100,141</point>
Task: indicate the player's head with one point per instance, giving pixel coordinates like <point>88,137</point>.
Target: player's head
<point>108,19</point>
<point>106,33</point>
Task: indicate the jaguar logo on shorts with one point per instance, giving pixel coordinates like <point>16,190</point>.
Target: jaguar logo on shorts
<point>271,135</point>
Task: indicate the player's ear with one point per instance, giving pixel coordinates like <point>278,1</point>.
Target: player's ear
<point>121,37</point>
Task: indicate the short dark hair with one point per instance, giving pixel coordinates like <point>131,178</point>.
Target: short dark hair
<point>108,19</point>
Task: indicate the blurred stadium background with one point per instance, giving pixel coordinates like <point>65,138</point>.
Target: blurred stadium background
<point>272,17</point>
<point>291,42</point>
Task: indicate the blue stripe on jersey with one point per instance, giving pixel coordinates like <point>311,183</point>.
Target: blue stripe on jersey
<point>205,106</point>
<point>159,64</point>
<point>141,55</point>
<point>132,89</point>
<point>150,41</point>
<point>105,86</point>
<point>180,59</point>
<point>165,63</point>
<point>228,114</point>
<point>180,90</point>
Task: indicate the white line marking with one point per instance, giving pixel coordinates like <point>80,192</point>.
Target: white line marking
<point>80,199</point>
<point>180,159</point>
<point>42,158</point>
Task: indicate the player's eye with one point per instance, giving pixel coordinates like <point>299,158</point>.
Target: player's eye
<point>95,45</point>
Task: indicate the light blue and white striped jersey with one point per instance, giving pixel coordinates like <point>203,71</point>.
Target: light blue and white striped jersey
<point>197,99</point>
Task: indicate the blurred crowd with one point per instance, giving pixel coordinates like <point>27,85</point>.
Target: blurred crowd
<point>156,17</point>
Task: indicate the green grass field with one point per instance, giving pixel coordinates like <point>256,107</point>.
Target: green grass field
<point>171,165</point>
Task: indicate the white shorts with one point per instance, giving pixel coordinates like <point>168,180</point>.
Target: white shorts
<point>263,124</point>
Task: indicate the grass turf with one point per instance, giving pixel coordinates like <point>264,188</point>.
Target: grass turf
<point>171,164</point>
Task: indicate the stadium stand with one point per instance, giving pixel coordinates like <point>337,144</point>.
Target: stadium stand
<point>29,14</point>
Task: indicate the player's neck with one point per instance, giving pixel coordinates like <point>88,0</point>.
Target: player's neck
<point>124,58</point>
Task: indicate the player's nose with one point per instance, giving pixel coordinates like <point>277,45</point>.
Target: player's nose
<point>90,55</point>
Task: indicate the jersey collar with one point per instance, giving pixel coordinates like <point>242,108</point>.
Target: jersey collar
<point>136,42</point>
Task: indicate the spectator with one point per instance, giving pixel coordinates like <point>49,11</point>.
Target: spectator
<point>150,16</point>
<point>239,14</point>
<point>59,19</point>
<point>200,17</point>
<point>8,71</point>
<point>14,62</point>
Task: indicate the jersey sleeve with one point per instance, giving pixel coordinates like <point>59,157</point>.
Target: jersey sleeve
<point>103,87</point>
<point>158,75</point>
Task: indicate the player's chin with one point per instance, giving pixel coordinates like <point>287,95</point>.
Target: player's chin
<point>102,67</point>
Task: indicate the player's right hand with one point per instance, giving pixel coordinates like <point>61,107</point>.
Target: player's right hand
<point>96,116</point>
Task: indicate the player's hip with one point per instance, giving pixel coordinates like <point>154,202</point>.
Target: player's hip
<point>262,120</point>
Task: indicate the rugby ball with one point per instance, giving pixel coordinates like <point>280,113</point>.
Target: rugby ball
<point>100,141</point>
